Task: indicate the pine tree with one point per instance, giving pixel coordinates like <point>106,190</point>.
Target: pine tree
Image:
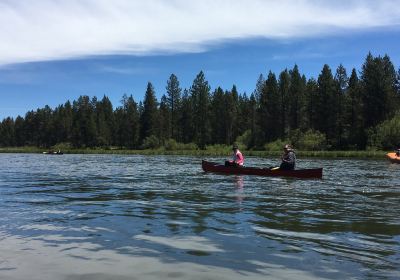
<point>230,115</point>
<point>67,121</point>
<point>326,114</point>
<point>31,129</point>
<point>104,121</point>
<point>218,117</point>
<point>263,116</point>
<point>311,103</point>
<point>119,131</point>
<point>46,137</point>
<point>7,132</point>
<point>173,102</point>
<point>260,84</point>
<point>200,92</point>
<point>149,117</point>
<point>378,81</point>
<point>269,114</point>
<point>57,121</point>
<point>186,120</point>
<point>341,127</point>
<point>273,107</point>
<point>354,113</point>
<point>164,120</point>
<point>84,123</point>
<point>131,123</point>
<point>253,120</point>
<point>235,111</point>
<point>398,84</point>
<point>296,99</point>
<point>284,84</point>
<point>390,85</point>
<point>127,128</point>
<point>20,137</point>
<point>243,118</point>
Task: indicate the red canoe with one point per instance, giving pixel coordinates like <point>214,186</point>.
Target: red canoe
<point>297,173</point>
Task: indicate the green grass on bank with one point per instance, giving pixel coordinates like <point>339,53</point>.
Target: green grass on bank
<point>208,152</point>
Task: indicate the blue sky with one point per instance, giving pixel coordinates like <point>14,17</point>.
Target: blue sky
<point>59,50</point>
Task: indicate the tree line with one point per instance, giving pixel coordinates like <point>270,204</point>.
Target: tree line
<point>335,111</point>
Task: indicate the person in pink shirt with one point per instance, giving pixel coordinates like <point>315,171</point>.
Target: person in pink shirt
<point>238,159</point>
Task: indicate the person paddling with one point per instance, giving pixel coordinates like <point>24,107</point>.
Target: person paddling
<point>398,153</point>
<point>288,159</point>
<point>238,159</point>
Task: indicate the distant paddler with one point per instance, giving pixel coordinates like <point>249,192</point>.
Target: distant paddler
<point>394,157</point>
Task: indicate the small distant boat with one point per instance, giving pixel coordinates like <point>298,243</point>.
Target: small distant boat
<point>393,157</point>
<point>53,153</point>
<point>297,173</point>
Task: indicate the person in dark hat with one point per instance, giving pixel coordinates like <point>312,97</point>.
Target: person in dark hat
<point>398,153</point>
<point>238,159</point>
<point>288,158</point>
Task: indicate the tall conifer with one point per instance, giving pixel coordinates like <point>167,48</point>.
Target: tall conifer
<point>173,102</point>
<point>149,117</point>
<point>200,92</point>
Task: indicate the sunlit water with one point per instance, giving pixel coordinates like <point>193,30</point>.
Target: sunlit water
<point>162,217</point>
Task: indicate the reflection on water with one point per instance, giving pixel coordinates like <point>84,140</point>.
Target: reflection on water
<point>147,217</point>
<point>239,188</point>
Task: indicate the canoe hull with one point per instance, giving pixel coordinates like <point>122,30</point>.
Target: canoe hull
<point>298,173</point>
<point>393,158</point>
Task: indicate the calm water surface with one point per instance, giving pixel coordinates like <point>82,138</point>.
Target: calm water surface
<point>161,217</point>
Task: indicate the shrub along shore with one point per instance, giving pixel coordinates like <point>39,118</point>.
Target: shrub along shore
<point>207,152</point>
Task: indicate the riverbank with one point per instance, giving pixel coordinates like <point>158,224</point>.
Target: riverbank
<point>212,152</point>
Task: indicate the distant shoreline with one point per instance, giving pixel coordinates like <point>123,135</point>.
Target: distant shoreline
<point>300,154</point>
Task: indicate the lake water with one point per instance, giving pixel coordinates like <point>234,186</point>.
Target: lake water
<point>161,217</point>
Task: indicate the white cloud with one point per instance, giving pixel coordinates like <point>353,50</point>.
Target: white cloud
<point>35,30</point>
<point>126,70</point>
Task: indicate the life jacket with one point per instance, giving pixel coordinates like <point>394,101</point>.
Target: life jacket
<point>238,158</point>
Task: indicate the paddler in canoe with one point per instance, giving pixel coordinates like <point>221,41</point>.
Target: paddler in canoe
<point>394,157</point>
<point>288,159</point>
<point>238,159</point>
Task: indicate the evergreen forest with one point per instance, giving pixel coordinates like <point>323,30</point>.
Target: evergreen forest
<point>338,110</point>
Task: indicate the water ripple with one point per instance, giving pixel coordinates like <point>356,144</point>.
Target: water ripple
<point>101,213</point>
